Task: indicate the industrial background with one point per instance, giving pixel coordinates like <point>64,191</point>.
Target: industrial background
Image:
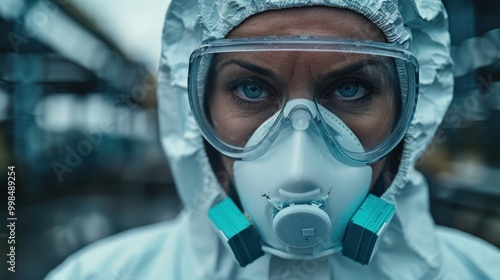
<point>78,120</point>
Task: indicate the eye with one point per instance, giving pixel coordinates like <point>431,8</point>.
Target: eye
<point>349,93</point>
<point>251,91</point>
<point>349,90</point>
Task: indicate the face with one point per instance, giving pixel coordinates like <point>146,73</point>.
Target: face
<point>248,88</point>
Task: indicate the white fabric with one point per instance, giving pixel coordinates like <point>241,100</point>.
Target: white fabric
<point>191,248</point>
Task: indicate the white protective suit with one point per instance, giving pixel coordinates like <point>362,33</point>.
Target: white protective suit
<point>190,247</point>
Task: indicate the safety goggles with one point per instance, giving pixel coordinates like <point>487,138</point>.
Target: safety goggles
<point>360,89</point>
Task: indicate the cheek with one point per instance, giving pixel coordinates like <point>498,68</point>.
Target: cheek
<point>226,123</point>
<point>231,125</point>
<point>373,132</point>
<point>375,125</point>
<point>228,128</point>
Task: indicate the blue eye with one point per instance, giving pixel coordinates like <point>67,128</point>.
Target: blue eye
<point>251,91</point>
<point>350,90</point>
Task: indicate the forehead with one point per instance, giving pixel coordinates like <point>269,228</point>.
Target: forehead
<point>322,21</point>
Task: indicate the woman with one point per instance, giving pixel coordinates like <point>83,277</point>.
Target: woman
<point>295,132</point>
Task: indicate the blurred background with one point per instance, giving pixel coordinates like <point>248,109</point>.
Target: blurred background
<point>78,119</point>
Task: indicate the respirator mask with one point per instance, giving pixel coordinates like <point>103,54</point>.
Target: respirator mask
<point>303,117</point>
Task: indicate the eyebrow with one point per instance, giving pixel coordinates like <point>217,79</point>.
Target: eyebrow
<point>266,72</point>
<point>349,69</point>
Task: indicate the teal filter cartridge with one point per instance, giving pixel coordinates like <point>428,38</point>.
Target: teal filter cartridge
<point>236,228</point>
<point>365,228</point>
